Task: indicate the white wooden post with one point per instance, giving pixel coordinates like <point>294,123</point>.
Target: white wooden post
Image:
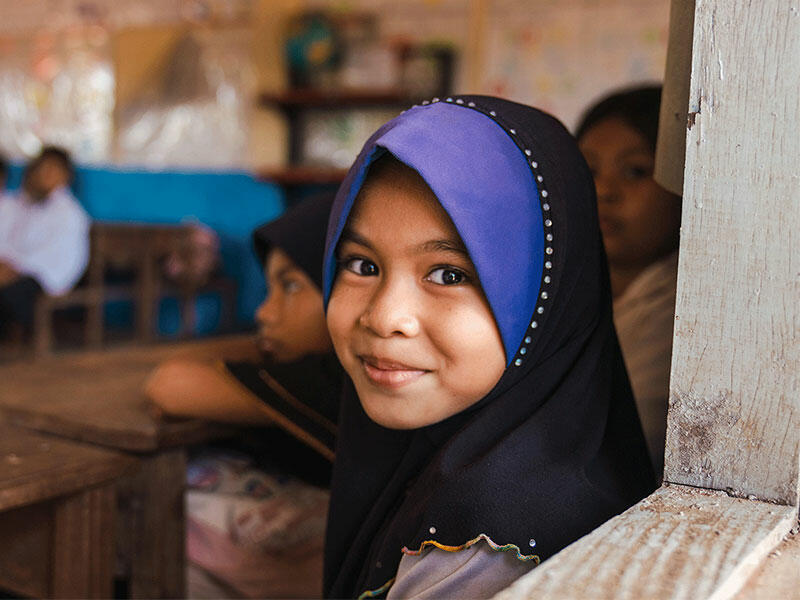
<point>735,385</point>
<point>733,439</point>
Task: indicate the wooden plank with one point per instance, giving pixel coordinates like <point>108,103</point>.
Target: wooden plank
<point>778,576</point>
<point>83,545</point>
<point>680,542</point>
<point>151,526</point>
<point>105,404</point>
<point>25,559</point>
<point>734,417</point>
<point>34,468</point>
<point>671,144</point>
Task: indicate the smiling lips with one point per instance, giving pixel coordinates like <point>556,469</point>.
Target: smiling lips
<point>389,373</point>
<point>267,344</point>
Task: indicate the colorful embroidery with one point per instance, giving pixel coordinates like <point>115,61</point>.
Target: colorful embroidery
<point>481,537</point>
<point>381,590</point>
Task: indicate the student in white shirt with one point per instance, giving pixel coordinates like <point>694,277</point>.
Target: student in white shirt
<point>44,238</point>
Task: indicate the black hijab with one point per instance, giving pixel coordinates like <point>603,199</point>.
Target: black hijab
<point>300,232</point>
<point>555,449</point>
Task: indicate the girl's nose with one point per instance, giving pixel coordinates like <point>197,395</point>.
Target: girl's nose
<point>391,311</point>
<point>606,190</point>
<point>267,313</point>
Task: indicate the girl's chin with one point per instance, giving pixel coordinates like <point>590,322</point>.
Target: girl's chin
<point>384,416</point>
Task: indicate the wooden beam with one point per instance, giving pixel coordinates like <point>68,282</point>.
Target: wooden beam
<point>734,416</point>
<point>777,577</point>
<point>680,542</point>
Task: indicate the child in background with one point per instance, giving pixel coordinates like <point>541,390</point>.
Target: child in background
<point>640,222</point>
<point>255,527</point>
<point>488,421</point>
<point>44,239</point>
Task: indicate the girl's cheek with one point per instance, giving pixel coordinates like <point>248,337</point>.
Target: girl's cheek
<point>338,317</point>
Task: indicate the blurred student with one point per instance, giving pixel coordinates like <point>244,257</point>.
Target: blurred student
<point>44,237</point>
<point>640,223</point>
<point>256,520</point>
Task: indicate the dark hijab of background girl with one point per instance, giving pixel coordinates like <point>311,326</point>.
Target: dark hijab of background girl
<point>304,394</point>
<point>555,449</point>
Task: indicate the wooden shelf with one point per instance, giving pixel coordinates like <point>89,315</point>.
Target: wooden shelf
<point>289,176</point>
<point>353,98</point>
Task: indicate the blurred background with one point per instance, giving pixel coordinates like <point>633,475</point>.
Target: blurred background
<point>213,115</point>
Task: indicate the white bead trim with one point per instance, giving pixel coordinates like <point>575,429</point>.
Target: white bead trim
<point>548,223</point>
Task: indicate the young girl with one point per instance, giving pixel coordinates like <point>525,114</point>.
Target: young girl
<point>254,523</point>
<point>292,356</point>
<point>640,222</point>
<point>489,421</point>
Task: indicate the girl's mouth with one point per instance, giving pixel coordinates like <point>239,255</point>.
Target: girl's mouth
<point>267,345</point>
<point>388,373</point>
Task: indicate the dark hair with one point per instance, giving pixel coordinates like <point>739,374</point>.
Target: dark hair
<point>3,169</point>
<point>638,107</point>
<point>57,154</point>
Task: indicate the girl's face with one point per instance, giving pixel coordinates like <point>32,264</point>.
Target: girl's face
<point>639,219</point>
<point>407,315</point>
<point>291,320</point>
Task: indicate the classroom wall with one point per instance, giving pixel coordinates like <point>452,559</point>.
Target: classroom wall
<point>559,55</point>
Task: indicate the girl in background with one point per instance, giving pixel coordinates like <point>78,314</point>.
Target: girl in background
<point>640,222</point>
<point>256,516</point>
<point>488,421</point>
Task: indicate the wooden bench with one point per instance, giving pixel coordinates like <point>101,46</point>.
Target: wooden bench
<point>138,249</point>
<point>96,397</point>
<point>57,502</point>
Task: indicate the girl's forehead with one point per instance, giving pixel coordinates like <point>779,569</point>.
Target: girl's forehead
<point>405,214</point>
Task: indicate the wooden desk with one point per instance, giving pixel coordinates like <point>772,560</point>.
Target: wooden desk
<point>56,515</point>
<point>96,397</point>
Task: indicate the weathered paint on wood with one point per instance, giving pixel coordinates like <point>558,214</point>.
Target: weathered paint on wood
<point>734,417</point>
<point>671,145</point>
<point>680,542</point>
<point>778,576</point>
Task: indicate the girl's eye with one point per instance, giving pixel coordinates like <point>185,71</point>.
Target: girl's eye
<point>447,276</point>
<point>290,285</point>
<point>361,266</point>
<point>636,172</point>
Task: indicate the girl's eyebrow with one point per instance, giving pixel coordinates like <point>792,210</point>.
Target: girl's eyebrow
<point>638,150</point>
<point>442,245</point>
<point>348,235</point>
<point>284,271</point>
<point>445,245</point>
